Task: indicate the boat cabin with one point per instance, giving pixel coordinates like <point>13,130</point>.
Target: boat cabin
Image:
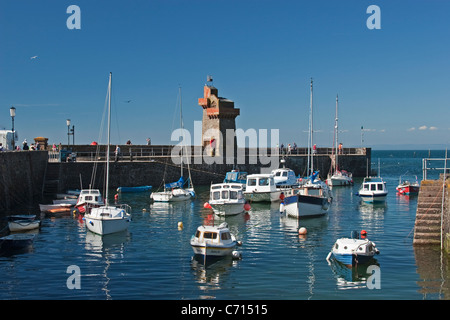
<point>210,234</point>
<point>284,176</point>
<point>226,192</point>
<point>374,185</point>
<point>260,183</point>
<point>90,196</point>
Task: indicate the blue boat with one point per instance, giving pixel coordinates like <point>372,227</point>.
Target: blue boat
<point>353,251</point>
<point>134,189</point>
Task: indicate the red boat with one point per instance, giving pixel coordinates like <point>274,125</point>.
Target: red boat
<point>407,187</point>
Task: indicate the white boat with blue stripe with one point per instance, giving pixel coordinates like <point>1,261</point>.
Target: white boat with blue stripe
<point>354,250</point>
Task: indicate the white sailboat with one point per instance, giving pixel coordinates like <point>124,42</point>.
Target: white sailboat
<point>312,198</point>
<point>175,191</point>
<point>339,177</point>
<point>108,219</point>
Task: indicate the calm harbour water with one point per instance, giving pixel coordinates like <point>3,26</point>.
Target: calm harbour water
<point>153,260</point>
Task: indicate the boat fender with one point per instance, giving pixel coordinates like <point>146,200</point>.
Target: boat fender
<point>239,243</point>
<point>247,207</point>
<point>329,256</point>
<point>282,207</point>
<point>302,231</point>
<point>237,255</point>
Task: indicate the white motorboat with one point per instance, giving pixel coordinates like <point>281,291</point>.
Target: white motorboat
<point>88,199</point>
<point>261,188</point>
<point>212,241</point>
<point>311,199</point>
<point>353,250</point>
<point>284,177</point>
<point>108,219</point>
<point>227,199</point>
<point>338,177</point>
<point>373,190</point>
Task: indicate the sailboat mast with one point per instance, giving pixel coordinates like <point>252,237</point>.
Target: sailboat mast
<point>336,137</point>
<point>109,127</point>
<point>181,125</point>
<point>311,130</point>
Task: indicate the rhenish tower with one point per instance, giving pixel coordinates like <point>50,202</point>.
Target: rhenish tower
<point>219,114</point>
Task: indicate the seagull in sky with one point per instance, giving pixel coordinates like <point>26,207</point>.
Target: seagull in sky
<point>33,57</point>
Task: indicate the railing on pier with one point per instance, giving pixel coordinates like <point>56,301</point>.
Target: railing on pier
<point>147,153</point>
<point>434,165</point>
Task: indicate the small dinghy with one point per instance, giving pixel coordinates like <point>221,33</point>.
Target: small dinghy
<point>23,225</point>
<point>23,222</point>
<point>16,241</point>
<point>354,250</point>
<point>213,241</point>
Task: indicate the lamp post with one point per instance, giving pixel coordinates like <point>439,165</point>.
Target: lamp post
<point>12,112</point>
<point>69,133</point>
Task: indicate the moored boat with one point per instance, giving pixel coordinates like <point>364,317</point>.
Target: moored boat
<point>311,199</point>
<point>108,219</point>
<point>55,207</point>
<point>227,199</point>
<point>23,225</point>
<point>16,241</point>
<point>261,188</point>
<point>353,250</point>
<point>373,190</point>
<point>408,187</point>
<point>88,199</point>
<point>134,189</point>
<point>213,241</point>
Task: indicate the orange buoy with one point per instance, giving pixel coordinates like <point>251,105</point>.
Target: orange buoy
<point>302,231</point>
<point>207,206</point>
<point>247,207</point>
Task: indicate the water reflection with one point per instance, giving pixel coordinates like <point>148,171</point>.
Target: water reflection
<point>211,273</point>
<point>433,269</point>
<point>354,277</point>
<point>107,249</point>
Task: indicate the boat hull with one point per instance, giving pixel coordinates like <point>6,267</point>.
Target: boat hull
<point>107,226</point>
<point>107,220</point>
<point>23,225</point>
<point>352,259</point>
<point>176,195</point>
<point>339,181</point>
<point>408,190</point>
<point>373,198</point>
<point>305,206</point>
<point>227,209</point>
<point>212,251</point>
<point>16,241</point>
<point>270,196</point>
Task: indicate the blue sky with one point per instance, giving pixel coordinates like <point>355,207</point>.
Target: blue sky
<point>261,53</point>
